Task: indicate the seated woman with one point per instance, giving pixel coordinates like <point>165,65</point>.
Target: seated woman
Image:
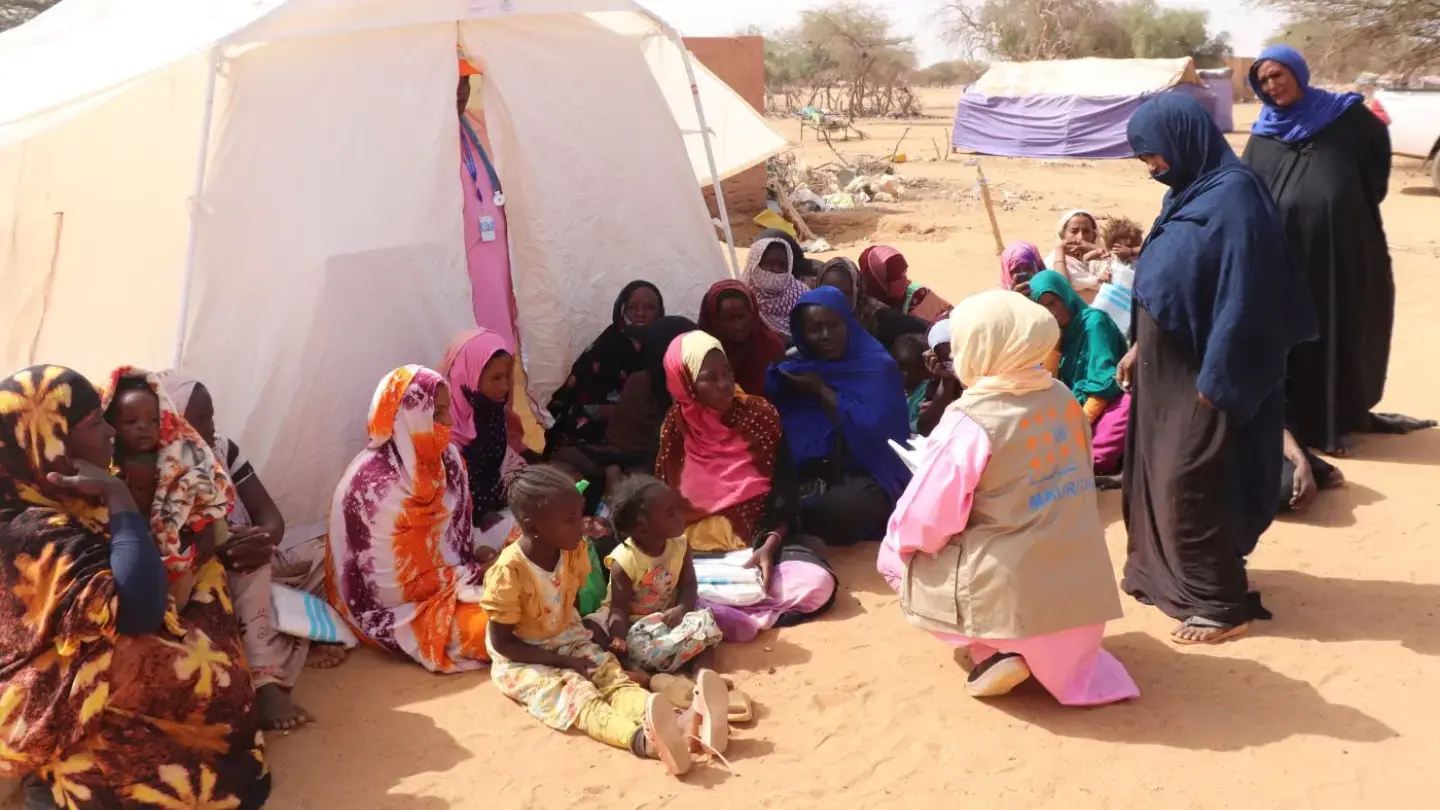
<point>881,322</point>
<point>253,561</point>
<point>840,403</point>
<point>113,698</point>
<point>887,278</point>
<point>997,544</point>
<point>479,367</point>
<point>1018,264</point>
<point>723,451</point>
<point>768,274</point>
<point>587,400</point>
<point>1091,347</point>
<point>731,315</point>
<point>632,436</point>
<point>401,566</point>
<point>170,468</point>
<point>1079,235</point>
<point>805,269</point>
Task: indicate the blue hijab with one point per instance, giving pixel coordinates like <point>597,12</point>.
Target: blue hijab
<point>1302,120</point>
<point>1215,273</point>
<point>869,398</point>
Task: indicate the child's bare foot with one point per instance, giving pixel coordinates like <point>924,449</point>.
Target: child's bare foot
<point>326,656</point>
<point>277,711</point>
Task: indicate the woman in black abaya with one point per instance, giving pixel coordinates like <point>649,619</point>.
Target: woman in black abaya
<point>1218,309</point>
<point>1326,160</point>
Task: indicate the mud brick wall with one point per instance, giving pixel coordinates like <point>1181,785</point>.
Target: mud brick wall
<point>740,63</point>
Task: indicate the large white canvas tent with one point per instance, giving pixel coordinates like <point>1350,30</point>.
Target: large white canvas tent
<point>267,192</point>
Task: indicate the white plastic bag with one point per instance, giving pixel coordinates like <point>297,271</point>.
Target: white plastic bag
<point>299,614</point>
<point>726,581</point>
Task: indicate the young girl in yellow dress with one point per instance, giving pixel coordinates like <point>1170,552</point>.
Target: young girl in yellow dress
<point>653,589</point>
<point>543,657</point>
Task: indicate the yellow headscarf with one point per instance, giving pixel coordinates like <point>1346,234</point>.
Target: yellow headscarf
<point>999,340</point>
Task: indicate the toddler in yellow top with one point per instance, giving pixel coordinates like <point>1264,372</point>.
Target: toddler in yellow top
<point>651,603</point>
<point>543,657</point>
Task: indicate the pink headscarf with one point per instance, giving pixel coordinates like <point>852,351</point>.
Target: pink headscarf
<point>886,273</point>
<point>465,359</point>
<point>719,470</point>
<point>1018,254</point>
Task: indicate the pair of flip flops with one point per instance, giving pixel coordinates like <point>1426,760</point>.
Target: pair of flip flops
<point>680,690</point>
<point>710,732</point>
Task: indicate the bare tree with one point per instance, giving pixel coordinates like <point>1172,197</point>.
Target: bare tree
<point>1404,34</point>
<point>843,57</point>
<point>15,12</point>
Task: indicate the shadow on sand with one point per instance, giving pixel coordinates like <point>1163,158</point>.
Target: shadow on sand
<point>363,740</point>
<point>1195,701</point>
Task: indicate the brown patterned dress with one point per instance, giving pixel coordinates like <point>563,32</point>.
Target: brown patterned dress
<point>107,720</point>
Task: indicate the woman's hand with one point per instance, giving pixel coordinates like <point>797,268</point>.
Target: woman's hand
<point>1125,371</point>
<point>764,559</point>
<point>804,383</point>
<point>93,481</point>
<point>1303,484</point>
<point>249,548</point>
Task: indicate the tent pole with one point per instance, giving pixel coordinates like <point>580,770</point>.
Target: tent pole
<point>202,154</point>
<point>679,41</point>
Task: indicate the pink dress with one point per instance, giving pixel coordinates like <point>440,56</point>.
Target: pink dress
<point>1070,664</point>
<point>491,292</point>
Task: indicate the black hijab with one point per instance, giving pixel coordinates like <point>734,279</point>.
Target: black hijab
<point>600,371</point>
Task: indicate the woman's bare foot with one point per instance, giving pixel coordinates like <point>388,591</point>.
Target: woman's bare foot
<point>1196,630</point>
<point>277,711</point>
<point>326,656</point>
<point>1333,480</point>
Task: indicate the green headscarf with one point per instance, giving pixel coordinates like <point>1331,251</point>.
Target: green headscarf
<point>1090,347</point>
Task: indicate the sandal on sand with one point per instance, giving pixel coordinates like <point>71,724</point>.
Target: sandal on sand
<point>712,707</point>
<point>997,675</point>
<point>664,737</point>
<point>739,707</point>
<point>678,688</point>
<point>1216,631</point>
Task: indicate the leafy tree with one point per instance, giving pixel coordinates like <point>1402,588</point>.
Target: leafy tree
<point>953,73</point>
<point>1022,30</point>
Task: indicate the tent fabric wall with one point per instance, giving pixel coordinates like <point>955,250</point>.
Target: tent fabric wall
<point>322,265</point>
<point>328,243</point>
<point>593,204</point>
<point>93,224</point>
<point>1085,77</point>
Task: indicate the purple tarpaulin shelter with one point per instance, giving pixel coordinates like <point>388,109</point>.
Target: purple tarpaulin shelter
<point>1066,109</point>
<point>1220,82</point>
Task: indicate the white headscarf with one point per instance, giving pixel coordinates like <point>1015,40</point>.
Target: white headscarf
<point>1000,340</point>
<point>180,386</point>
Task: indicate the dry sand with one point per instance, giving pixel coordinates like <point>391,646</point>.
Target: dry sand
<point>1333,704</point>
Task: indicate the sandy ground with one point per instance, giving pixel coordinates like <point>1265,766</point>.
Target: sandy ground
<point>1331,705</point>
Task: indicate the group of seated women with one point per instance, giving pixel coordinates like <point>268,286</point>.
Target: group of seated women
<point>692,476</point>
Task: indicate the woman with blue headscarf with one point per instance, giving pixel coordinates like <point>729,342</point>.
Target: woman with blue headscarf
<point>840,402</point>
<point>1326,160</point>
<point>1219,306</point>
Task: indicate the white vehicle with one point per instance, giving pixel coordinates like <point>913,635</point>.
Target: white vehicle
<point>1414,118</point>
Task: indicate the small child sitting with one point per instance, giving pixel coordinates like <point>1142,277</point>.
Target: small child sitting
<point>172,474</point>
<point>543,657</point>
<point>1120,238</point>
<point>909,353</point>
<point>651,604</point>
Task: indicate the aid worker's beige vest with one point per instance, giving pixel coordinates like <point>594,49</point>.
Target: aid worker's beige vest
<point>1032,558</point>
